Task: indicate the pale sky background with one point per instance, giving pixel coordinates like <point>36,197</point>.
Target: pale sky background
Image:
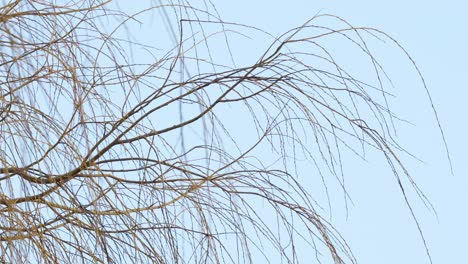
<point>379,228</point>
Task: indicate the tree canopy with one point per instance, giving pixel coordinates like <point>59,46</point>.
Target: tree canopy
<point>138,136</point>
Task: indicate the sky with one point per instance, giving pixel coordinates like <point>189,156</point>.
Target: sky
<point>379,228</point>
<point>378,225</point>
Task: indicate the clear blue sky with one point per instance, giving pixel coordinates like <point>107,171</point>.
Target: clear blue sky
<point>379,228</point>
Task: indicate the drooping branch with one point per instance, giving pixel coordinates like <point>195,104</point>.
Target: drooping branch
<point>114,150</point>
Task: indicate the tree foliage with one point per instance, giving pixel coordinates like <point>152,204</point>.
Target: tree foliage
<point>115,149</point>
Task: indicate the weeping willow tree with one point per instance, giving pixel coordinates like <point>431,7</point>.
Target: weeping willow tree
<point>138,136</point>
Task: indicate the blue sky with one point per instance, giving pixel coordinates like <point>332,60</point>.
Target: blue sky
<point>375,221</point>
<point>379,228</point>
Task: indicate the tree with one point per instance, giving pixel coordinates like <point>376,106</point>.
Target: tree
<point>115,149</point>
